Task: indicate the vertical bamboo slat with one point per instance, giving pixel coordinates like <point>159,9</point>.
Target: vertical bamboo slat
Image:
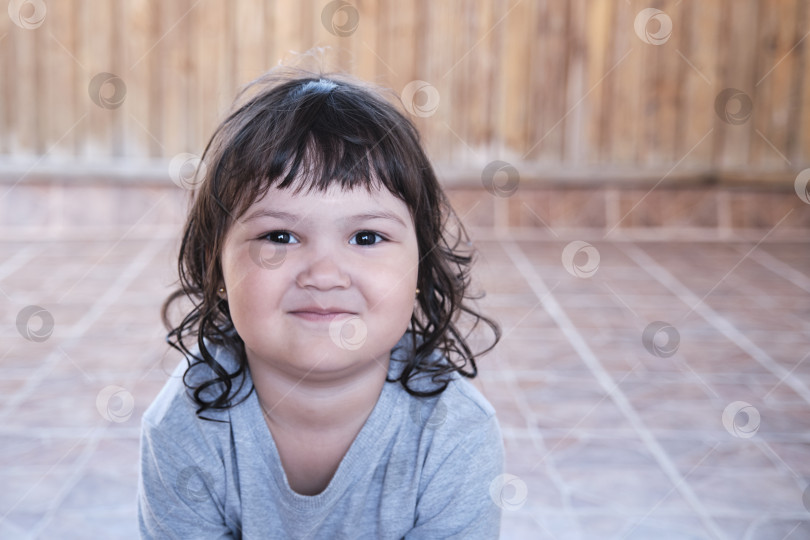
<point>95,30</point>
<point>6,84</point>
<point>700,83</point>
<point>738,72</point>
<point>597,44</point>
<point>548,140</point>
<point>802,134</point>
<point>136,73</point>
<point>249,49</point>
<point>206,43</point>
<point>669,71</point>
<point>514,78</point>
<point>23,74</point>
<point>575,149</point>
<point>174,83</point>
<point>775,68</point>
<point>625,84</point>
<point>480,77</point>
<point>60,89</point>
<point>361,45</point>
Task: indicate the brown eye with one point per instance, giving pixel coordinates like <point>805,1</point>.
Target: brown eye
<point>366,238</point>
<point>280,237</point>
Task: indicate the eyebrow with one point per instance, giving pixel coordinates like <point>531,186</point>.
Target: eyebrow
<point>286,216</point>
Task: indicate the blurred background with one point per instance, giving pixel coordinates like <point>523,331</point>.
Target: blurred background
<point>634,175</point>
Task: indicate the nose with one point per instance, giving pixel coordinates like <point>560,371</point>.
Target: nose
<point>323,269</point>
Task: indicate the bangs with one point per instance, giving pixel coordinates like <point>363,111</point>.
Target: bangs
<point>312,134</point>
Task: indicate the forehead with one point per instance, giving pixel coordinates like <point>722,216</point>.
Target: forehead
<point>332,202</point>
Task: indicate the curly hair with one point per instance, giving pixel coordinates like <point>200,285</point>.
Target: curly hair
<point>324,128</point>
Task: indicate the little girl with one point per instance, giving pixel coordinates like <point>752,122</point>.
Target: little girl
<point>324,394</point>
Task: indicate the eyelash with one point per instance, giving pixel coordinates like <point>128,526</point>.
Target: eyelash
<point>274,233</point>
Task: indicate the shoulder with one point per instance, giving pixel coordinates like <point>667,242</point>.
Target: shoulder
<point>173,403</point>
<point>174,410</point>
<point>460,414</point>
<point>453,423</point>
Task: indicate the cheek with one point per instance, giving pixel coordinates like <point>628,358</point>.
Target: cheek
<point>253,293</point>
<point>392,291</point>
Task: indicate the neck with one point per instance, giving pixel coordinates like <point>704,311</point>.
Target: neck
<point>323,404</point>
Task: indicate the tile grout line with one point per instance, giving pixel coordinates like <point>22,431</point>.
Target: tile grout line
<point>781,269</point>
<point>618,397</point>
<point>80,327</point>
<point>719,322</point>
<point>19,259</point>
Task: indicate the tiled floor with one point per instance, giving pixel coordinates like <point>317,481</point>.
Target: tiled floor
<point>699,430</point>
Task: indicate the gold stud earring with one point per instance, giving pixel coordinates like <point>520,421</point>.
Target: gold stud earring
<point>221,290</point>
<point>417,292</point>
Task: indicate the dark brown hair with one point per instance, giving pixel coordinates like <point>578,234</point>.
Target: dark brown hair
<point>296,130</point>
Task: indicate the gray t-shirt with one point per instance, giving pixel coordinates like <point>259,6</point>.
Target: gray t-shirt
<point>419,468</point>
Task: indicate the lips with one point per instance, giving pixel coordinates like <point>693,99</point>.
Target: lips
<point>314,313</point>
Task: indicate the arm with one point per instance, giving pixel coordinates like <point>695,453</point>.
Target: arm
<point>456,502</point>
<point>177,498</point>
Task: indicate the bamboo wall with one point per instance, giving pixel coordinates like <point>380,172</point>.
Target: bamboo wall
<point>548,84</point>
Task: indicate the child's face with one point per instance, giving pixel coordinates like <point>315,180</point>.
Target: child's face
<point>291,256</point>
